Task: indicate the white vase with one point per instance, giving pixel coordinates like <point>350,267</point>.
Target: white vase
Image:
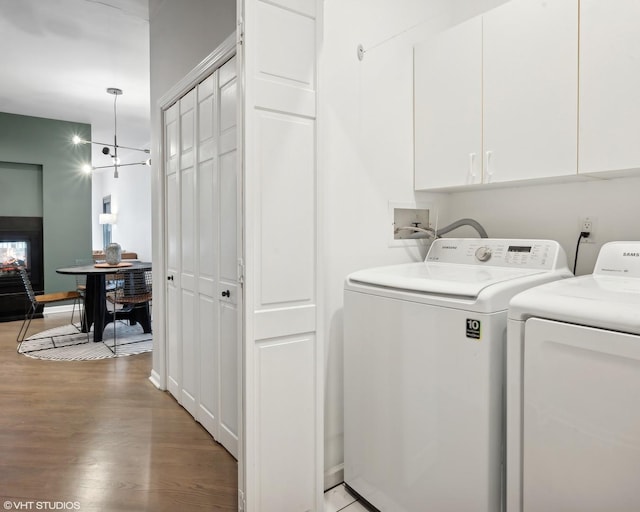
<point>113,254</point>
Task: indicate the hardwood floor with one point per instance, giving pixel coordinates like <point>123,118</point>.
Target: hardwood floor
<point>100,434</point>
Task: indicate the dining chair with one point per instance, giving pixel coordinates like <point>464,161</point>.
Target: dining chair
<point>38,301</point>
<point>131,299</point>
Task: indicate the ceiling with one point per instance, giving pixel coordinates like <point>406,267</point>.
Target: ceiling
<point>59,57</point>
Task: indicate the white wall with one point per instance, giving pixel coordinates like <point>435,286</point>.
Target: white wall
<point>131,201</point>
<point>366,159</point>
<point>554,211</point>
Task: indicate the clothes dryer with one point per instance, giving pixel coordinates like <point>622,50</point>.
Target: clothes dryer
<point>423,372</point>
<point>573,390</point>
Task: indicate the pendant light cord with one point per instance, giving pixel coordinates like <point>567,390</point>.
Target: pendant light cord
<point>115,136</point>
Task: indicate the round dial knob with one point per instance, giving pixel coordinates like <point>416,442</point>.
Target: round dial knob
<point>483,253</point>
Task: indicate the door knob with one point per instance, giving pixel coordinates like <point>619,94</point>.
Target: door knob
<point>226,293</point>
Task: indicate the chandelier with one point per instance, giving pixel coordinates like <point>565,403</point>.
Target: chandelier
<point>111,150</point>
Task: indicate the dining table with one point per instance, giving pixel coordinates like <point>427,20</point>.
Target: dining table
<point>96,313</point>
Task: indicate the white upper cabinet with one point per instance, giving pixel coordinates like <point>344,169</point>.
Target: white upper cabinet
<point>530,90</point>
<point>496,97</point>
<point>448,105</point>
<point>609,85</point>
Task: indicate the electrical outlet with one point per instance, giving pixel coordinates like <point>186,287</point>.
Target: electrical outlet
<point>587,224</point>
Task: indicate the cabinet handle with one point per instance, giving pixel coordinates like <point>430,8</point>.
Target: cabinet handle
<point>488,167</point>
<point>169,278</point>
<point>472,172</point>
<point>226,293</point>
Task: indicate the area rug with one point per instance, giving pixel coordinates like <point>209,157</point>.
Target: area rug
<point>72,345</point>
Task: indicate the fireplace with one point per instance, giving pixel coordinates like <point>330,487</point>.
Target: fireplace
<point>20,246</point>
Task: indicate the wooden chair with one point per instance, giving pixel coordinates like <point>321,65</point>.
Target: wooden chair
<point>131,300</point>
<point>36,301</point>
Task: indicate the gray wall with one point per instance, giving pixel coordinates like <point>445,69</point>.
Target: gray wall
<point>66,190</point>
<point>183,33</point>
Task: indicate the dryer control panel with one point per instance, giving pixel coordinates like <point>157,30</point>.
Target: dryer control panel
<point>510,253</point>
<point>619,259</point>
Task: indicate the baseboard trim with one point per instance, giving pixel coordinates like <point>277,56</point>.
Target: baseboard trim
<point>333,476</point>
<point>155,380</point>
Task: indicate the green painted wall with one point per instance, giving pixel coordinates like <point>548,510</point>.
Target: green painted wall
<point>27,178</point>
<point>66,190</point>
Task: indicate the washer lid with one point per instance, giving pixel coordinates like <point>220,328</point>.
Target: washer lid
<point>603,302</point>
<point>465,281</point>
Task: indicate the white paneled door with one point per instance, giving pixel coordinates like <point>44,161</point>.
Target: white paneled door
<point>228,294</point>
<point>202,190</point>
<point>208,360</point>
<point>172,190</point>
<point>283,415</point>
<point>188,270</point>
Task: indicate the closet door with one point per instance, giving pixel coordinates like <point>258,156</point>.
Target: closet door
<point>172,226</point>
<point>188,247</point>
<point>203,290</point>
<point>229,290</point>
<point>208,361</point>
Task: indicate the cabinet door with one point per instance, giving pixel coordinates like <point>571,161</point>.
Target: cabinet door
<point>448,108</point>
<point>609,85</point>
<point>530,79</point>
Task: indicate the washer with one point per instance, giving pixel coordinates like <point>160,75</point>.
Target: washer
<point>423,372</point>
<point>573,390</point>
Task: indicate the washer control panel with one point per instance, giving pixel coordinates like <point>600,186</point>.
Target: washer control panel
<point>512,253</point>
